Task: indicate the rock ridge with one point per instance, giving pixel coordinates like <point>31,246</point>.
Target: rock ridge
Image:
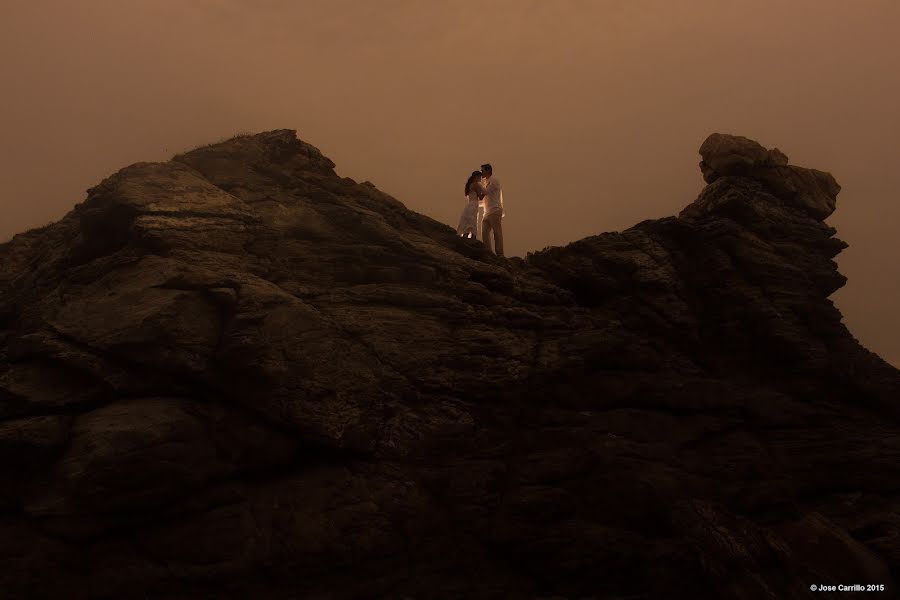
<point>236,373</point>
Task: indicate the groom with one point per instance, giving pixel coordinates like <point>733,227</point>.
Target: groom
<point>493,210</point>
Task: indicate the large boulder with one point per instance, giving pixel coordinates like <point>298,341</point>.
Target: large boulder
<point>723,155</point>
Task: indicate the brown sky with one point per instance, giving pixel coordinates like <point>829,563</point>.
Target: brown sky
<point>590,111</point>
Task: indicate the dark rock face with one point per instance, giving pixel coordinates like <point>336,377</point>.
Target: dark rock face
<point>236,374</point>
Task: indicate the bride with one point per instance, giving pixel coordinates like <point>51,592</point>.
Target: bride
<point>468,220</point>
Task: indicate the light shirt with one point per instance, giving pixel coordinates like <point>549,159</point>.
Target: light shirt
<point>493,197</point>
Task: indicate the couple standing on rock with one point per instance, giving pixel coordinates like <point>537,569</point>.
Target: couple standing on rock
<point>483,192</point>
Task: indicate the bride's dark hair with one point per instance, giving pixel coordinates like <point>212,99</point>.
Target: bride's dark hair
<point>475,175</point>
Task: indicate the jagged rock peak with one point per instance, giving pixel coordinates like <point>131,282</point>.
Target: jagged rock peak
<point>726,154</point>
<point>734,155</point>
<point>279,146</point>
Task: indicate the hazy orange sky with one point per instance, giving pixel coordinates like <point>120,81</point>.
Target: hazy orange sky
<point>590,111</point>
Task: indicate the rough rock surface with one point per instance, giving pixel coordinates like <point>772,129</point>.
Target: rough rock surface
<point>236,374</point>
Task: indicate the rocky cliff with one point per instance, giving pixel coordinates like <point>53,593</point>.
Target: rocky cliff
<point>236,374</point>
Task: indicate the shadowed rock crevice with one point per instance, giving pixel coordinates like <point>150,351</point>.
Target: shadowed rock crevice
<point>236,373</point>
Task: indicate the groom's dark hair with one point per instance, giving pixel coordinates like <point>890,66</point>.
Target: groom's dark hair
<point>487,169</point>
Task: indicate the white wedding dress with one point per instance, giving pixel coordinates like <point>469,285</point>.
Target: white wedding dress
<point>469,219</point>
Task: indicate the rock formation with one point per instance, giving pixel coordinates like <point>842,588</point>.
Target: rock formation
<point>236,374</point>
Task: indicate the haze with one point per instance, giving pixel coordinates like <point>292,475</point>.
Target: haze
<point>591,112</point>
